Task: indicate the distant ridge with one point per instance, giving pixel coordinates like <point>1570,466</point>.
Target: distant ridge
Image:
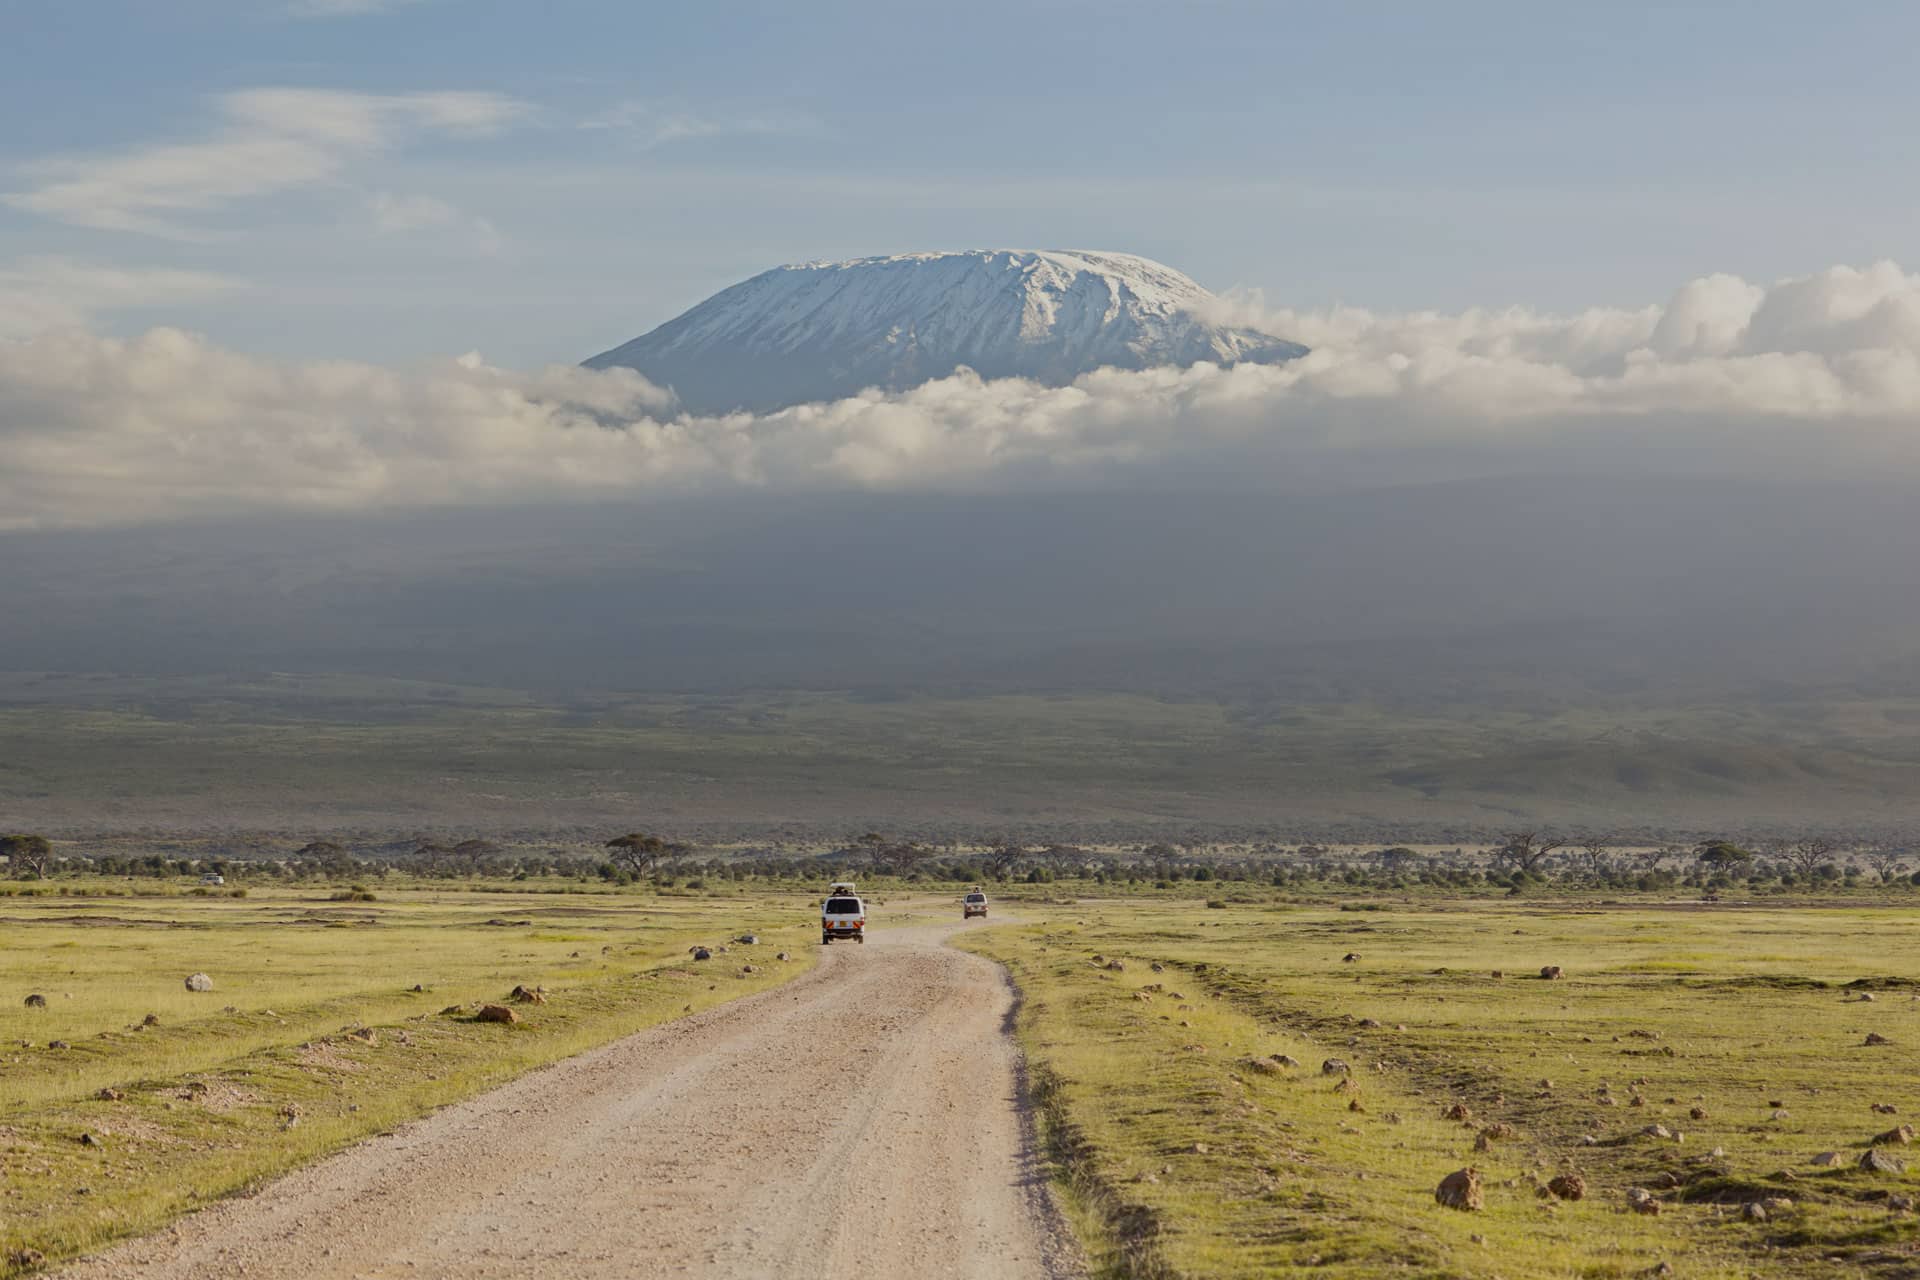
<point>828,330</point>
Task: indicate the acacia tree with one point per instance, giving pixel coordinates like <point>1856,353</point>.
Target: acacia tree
<point>1596,852</point>
<point>1004,858</point>
<point>1527,850</point>
<point>1721,855</point>
<point>28,855</point>
<point>1886,862</point>
<point>1809,855</point>
<point>640,854</point>
<point>899,856</point>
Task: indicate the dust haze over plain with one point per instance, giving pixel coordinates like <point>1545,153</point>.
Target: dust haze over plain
<point>1708,499</point>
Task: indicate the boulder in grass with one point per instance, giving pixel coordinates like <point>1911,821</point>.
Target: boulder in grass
<point>1461,1190</point>
<point>1551,971</point>
<point>1899,1137</point>
<point>36,1001</point>
<point>528,995</point>
<point>1874,1160</point>
<point>1641,1200</point>
<point>496,1013</point>
<point>1568,1186</point>
<point>1875,1038</point>
<point>199,982</point>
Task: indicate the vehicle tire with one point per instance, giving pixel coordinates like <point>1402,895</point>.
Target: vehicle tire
<point>860,938</point>
<point>825,938</point>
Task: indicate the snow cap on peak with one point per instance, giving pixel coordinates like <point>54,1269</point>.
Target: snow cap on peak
<point>827,330</point>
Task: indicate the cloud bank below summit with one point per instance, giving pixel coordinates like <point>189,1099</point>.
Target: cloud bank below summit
<point>1817,372</point>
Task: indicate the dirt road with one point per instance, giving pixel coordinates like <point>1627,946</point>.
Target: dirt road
<point>859,1120</point>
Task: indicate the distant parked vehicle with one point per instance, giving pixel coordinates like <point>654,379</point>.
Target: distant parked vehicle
<point>974,904</point>
<point>843,915</point>
<point>213,877</point>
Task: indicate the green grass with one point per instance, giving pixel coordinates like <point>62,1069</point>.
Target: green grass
<point>206,1091</point>
<point>1728,1010</point>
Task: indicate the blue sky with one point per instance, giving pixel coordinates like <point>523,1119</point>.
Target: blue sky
<point>388,181</point>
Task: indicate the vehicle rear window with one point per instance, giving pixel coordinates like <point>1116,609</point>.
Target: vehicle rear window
<point>842,907</point>
<point>976,897</point>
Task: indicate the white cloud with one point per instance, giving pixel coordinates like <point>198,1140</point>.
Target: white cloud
<point>399,215</point>
<point>272,140</point>
<point>652,124</point>
<point>1822,371</point>
<point>38,294</point>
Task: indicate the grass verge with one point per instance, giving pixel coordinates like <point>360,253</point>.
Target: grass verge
<point>1177,1058</point>
<point>317,1035</point>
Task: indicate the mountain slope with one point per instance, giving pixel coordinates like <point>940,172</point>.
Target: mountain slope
<point>827,330</point>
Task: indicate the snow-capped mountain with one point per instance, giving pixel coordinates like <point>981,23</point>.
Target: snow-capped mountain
<point>826,330</point>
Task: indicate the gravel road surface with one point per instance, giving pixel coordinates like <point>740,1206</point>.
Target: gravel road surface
<point>863,1119</point>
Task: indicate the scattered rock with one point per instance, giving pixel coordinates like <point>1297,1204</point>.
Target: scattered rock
<point>58,1044</point>
<point>1551,971</point>
<point>1458,1111</point>
<point>1885,1109</point>
<point>199,982</point>
<point>1900,1204</point>
<point>1356,1107</point>
<point>495,1013</point>
<point>1641,1200</point>
<point>1157,967</point>
<point>1567,1186</point>
<point>1498,1131</point>
<point>363,1035</point>
<point>1369,1022</point>
<point>783,957</point>
<point>1284,1060</point>
<point>25,1258</point>
<point>151,1020</point>
<point>1697,1113</point>
<point>1498,973</point>
<point>453,1008</point>
<point>1829,1160</point>
<point>417,989</point>
<point>1460,1190</point>
<point>1777,1204</point>
<point>110,1094</point>
<point>1753,1212</point>
<point>1263,1066</point>
<point>1335,1067</point>
<point>1656,1131</point>
<point>1116,966</point>
<point>36,1001</point>
<point>1874,1160</point>
<point>745,969</point>
<point>748,939</point>
<point>89,1140</point>
<point>532,995</point>
<point>701,953</point>
<point>1350,958</point>
<point>1899,1137</point>
<point>1866,997</point>
<point>1874,1037</point>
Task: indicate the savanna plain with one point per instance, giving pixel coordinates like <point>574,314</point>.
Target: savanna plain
<point>1236,1085</point>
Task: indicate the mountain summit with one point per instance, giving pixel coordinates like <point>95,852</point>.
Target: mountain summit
<point>827,330</point>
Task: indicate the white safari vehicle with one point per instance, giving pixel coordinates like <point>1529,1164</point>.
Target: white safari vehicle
<point>843,915</point>
<point>974,904</point>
